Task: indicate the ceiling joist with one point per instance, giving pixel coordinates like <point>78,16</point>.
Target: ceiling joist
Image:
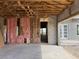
<point>33,7</point>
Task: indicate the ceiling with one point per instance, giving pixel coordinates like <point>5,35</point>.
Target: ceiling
<point>33,7</point>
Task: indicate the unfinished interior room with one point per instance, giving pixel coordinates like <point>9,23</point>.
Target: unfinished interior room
<point>29,29</point>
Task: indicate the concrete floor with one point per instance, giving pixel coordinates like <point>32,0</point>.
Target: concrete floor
<point>73,49</point>
<point>34,51</point>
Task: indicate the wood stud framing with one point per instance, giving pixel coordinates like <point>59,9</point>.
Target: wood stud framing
<point>32,7</point>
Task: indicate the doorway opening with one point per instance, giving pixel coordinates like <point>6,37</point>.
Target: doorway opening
<point>44,32</point>
<point>5,32</point>
<point>18,27</point>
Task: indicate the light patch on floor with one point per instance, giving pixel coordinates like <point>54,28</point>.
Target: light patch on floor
<point>34,51</point>
<point>55,52</point>
<point>74,49</point>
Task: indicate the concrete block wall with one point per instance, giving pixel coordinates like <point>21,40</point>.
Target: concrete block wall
<point>52,30</point>
<point>64,15</point>
<point>72,35</point>
<point>74,10</point>
<point>73,38</point>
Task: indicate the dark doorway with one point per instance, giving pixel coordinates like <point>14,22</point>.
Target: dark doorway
<point>18,27</point>
<point>5,31</point>
<point>44,32</point>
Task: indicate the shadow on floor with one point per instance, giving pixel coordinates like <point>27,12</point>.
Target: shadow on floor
<point>23,51</point>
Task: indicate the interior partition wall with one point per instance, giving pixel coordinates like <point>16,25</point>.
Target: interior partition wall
<point>18,32</point>
<point>11,29</point>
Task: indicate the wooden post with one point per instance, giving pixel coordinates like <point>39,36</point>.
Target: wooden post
<point>1,40</point>
<point>36,30</point>
<point>57,30</point>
